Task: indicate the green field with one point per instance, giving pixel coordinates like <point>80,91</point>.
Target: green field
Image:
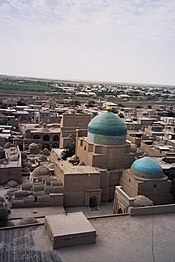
<point>27,85</point>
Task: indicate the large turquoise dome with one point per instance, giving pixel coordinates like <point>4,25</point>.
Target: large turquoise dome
<point>147,166</point>
<point>107,129</point>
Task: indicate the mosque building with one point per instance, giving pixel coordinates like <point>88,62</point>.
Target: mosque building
<point>102,153</point>
<point>144,184</point>
<point>105,146</point>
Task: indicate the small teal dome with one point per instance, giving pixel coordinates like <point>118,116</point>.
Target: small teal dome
<point>107,129</point>
<point>147,166</point>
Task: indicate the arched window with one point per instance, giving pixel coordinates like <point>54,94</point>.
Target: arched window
<point>46,138</point>
<point>55,138</point>
<point>93,201</point>
<point>20,147</point>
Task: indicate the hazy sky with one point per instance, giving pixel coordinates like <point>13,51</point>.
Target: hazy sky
<point>108,40</point>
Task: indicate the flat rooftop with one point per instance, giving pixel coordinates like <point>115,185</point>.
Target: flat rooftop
<point>70,223</point>
<point>35,126</point>
<point>73,169</point>
<point>125,238</point>
<point>121,238</point>
<point>50,130</point>
<point>163,164</point>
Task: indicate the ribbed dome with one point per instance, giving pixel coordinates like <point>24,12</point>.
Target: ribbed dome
<point>147,166</point>
<point>42,158</point>
<point>14,157</point>
<point>107,129</point>
<point>33,145</point>
<point>41,171</point>
<point>141,201</point>
<point>46,151</point>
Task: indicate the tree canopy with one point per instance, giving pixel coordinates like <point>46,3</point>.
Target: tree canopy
<point>68,151</point>
<point>4,216</point>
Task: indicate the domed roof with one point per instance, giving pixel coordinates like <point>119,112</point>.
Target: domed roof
<point>33,145</point>
<point>14,157</point>
<point>41,171</point>
<point>147,166</point>
<point>46,151</point>
<point>42,158</point>
<point>12,183</point>
<point>107,129</point>
<point>141,201</point>
<point>13,148</point>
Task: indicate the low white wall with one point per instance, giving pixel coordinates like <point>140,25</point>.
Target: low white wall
<point>152,210</point>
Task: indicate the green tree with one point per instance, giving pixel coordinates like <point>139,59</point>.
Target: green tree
<point>70,148</point>
<point>21,103</point>
<point>170,173</point>
<point>68,151</point>
<point>2,105</point>
<point>4,217</point>
<point>121,115</point>
<point>90,103</point>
